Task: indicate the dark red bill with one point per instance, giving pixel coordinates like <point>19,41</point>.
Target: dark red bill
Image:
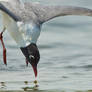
<point>35,70</point>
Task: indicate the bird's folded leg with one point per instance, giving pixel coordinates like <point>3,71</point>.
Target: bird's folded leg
<point>4,49</point>
<point>26,62</point>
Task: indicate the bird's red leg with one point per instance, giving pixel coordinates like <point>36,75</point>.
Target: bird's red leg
<point>4,49</point>
<point>26,62</point>
<point>4,52</point>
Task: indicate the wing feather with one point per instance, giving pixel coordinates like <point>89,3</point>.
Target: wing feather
<point>45,13</point>
<point>4,9</point>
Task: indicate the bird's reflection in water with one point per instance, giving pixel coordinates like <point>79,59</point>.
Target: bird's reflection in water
<point>2,85</point>
<point>35,87</point>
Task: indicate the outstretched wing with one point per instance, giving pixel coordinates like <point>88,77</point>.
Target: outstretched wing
<point>45,13</point>
<point>4,9</point>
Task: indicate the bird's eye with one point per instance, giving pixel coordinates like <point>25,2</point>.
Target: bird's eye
<point>31,57</point>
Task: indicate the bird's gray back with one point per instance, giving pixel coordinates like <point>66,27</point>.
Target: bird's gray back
<point>22,11</point>
<point>38,13</point>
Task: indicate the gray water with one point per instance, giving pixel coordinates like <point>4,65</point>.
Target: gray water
<point>65,46</point>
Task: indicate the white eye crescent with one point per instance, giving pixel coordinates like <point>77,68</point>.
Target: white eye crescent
<point>31,56</point>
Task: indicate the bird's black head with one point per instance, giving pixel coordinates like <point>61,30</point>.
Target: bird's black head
<point>32,55</point>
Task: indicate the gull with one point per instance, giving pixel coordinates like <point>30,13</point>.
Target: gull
<point>23,20</point>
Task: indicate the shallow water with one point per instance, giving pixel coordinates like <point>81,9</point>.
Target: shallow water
<point>66,56</point>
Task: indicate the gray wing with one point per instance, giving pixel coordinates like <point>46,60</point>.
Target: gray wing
<point>4,9</point>
<point>45,13</point>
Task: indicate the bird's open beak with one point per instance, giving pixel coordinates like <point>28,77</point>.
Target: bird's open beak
<point>35,70</point>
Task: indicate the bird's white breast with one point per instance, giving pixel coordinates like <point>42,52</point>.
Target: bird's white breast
<point>24,33</point>
<point>30,32</point>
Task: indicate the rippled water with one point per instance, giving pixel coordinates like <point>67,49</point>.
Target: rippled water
<point>66,56</point>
